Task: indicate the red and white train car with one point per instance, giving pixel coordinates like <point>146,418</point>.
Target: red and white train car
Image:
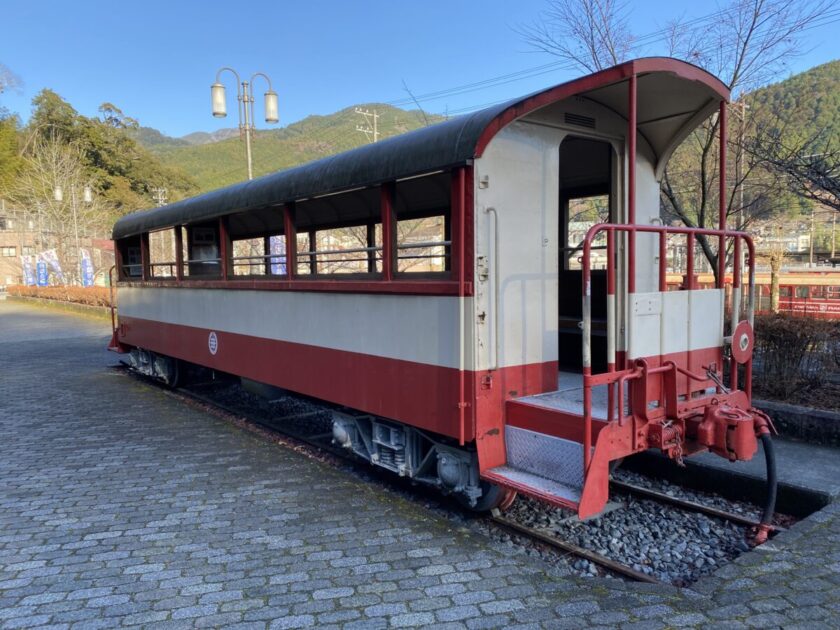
<point>814,294</point>
<point>430,284</point>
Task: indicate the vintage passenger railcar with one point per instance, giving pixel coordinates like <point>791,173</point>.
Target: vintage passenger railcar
<point>437,286</point>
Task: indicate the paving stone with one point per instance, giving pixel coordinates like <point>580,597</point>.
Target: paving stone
<point>412,620</point>
<point>123,505</point>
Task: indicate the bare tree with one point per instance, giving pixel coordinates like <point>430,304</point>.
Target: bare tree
<point>49,164</point>
<point>810,166</point>
<point>773,250</point>
<point>746,44</point>
<point>8,79</point>
<point>592,34</point>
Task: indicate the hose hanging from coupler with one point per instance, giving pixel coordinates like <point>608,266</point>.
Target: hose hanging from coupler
<point>765,525</point>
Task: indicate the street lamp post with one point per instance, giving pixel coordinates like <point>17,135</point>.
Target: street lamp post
<point>87,197</point>
<point>245,106</point>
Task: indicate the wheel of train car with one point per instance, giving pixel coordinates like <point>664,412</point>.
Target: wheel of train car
<point>168,370</point>
<point>492,496</point>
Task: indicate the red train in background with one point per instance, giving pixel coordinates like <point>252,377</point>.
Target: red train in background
<point>808,293</point>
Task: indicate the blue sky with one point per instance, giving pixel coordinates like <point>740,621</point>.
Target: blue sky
<point>156,60</point>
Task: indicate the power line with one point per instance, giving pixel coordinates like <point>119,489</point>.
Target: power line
<point>330,135</point>
<point>527,73</point>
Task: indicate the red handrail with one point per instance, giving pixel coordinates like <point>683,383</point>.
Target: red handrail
<point>663,231</point>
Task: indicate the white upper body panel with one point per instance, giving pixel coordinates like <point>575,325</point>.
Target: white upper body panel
<point>422,329</point>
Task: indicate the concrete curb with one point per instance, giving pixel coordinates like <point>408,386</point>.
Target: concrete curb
<point>811,425</point>
<point>103,312</point>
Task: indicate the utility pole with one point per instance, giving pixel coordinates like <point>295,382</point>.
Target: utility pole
<point>371,126</point>
<point>159,195</point>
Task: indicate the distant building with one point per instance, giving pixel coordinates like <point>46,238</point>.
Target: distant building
<point>19,236</point>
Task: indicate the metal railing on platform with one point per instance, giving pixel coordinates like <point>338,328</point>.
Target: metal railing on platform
<point>615,380</point>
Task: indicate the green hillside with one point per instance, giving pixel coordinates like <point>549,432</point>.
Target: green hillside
<point>216,164</point>
<point>806,104</point>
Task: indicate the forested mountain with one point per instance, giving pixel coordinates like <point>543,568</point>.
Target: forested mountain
<point>807,104</point>
<point>216,164</point>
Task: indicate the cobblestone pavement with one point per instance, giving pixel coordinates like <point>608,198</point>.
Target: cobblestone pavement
<point>121,506</point>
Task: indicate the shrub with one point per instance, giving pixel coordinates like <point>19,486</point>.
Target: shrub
<point>793,353</point>
<point>91,296</point>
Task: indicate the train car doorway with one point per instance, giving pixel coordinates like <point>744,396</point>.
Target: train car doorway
<point>586,198</point>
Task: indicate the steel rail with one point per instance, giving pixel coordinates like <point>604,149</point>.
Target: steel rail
<point>688,505</point>
<point>607,563</point>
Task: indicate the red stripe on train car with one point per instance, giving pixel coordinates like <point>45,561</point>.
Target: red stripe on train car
<point>419,394</point>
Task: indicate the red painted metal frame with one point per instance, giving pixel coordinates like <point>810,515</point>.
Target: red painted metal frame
<point>400,287</point>
<point>290,234</point>
<point>611,378</point>
<point>224,249</point>
<point>144,256</point>
<point>179,252</point>
<point>722,194</point>
<point>389,231</point>
<point>631,183</point>
<point>597,80</point>
<point>458,212</point>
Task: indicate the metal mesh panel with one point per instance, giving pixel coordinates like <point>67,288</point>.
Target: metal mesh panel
<point>546,486</point>
<point>545,455</point>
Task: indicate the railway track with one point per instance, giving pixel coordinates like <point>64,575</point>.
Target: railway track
<point>283,426</point>
<point>545,538</point>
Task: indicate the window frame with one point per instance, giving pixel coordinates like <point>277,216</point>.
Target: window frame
<point>457,280</point>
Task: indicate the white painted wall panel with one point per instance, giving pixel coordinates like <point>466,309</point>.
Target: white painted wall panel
<point>521,164</point>
<point>706,324</point>
<point>675,321</point>
<point>423,329</point>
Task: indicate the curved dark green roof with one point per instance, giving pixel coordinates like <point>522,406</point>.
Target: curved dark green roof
<point>444,145</point>
<point>439,146</point>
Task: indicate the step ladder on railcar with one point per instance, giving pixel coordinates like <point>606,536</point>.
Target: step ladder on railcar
<point>559,444</point>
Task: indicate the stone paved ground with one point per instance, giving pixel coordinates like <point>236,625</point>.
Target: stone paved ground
<point>121,506</point>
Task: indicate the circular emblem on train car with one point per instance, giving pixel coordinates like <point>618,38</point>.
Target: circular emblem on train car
<point>213,343</point>
<point>742,342</point>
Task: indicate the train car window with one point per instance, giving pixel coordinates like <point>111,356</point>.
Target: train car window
<point>833,293</point>
<point>802,292</point>
<point>258,247</point>
<point>354,249</point>
<point>785,292</point>
<point>423,212</point>
<point>423,245</point>
<point>306,264</point>
<point>203,254</point>
<point>339,234</point>
<point>584,212</point>
<point>131,265</point>
<point>818,292</point>
<point>262,256</point>
<point>162,257</point>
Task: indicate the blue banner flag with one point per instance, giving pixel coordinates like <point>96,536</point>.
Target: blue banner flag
<point>43,275</point>
<point>87,268</point>
<point>28,270</point>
